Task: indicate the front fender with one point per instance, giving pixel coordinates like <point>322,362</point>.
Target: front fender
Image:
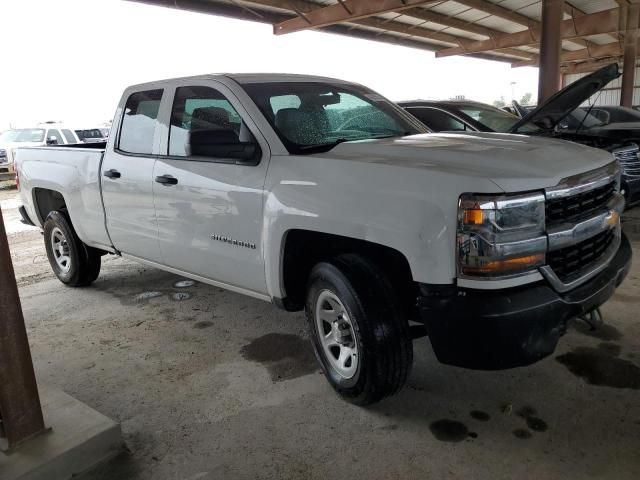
<point>409,210</point>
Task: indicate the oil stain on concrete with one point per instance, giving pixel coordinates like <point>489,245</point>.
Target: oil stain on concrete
<point>535,423</point>
<point>449,430</point>
<point>480,415</point>
<point>522,433</point>
<point>201,325</point>
<point>285,356</point>
<point>600,367</point>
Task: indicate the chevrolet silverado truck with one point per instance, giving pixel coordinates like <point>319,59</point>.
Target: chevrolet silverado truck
<point>321,195</point>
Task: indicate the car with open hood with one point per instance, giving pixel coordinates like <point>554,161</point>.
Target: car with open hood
<point>559,117</point>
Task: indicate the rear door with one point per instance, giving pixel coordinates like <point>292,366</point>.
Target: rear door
<point>127,169</point>
<point>210,209</point>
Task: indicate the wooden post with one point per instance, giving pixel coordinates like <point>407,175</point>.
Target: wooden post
<point>20,409</point>
<point>630,54</point>
<point>550,48</point>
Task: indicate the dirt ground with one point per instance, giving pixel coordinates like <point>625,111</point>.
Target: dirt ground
<point>209,384</point>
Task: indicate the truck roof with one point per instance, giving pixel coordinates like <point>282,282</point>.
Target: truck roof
<point>250,78</point>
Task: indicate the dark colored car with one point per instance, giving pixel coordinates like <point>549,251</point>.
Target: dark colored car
<point>460,115</point>
<point>91,135</point>
<point>559,117</point>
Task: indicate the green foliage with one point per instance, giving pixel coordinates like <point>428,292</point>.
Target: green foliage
<point>499,103</point>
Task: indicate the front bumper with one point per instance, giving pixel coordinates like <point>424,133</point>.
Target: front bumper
<point>492,330</point>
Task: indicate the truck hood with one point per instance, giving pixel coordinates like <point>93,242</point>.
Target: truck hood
<point>550,113</point>
<point>512,162</point>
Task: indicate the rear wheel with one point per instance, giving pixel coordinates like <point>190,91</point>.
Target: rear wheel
<point>74,263</point>
<point>358,329</point>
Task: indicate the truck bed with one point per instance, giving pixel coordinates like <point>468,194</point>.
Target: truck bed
<point>74,170</point>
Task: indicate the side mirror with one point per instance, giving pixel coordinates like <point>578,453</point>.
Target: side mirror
<point>52,141</point>
<point>222,144</point>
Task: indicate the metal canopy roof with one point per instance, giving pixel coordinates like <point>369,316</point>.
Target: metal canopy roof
<point>501,30</point>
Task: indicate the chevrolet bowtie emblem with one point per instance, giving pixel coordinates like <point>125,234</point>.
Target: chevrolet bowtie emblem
<point>612,219</point>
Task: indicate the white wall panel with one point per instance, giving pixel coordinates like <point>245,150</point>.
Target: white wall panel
<point>608,97</point>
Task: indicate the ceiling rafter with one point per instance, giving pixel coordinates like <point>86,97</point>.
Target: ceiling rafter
<point>591,24</point>
<point>607,50</point>
<point>589,66</point>
<point>402,28</point>
<point>448,21</point>
<point>345,11</point>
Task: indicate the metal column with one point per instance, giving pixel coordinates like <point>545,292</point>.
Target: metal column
<point>20,410</point>
<point>550,47</point>
<point>630,55</point>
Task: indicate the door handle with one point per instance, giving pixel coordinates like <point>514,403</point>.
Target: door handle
<point>166,180</point>
<point>113,173</point>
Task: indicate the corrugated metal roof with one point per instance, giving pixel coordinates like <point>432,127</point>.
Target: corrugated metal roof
<point>434,25</point>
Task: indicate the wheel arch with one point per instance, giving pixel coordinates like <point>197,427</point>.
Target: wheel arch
<point>46,201</point>
<point>301,249</point>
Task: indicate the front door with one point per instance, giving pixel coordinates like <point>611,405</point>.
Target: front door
<point>209,208</point>
<point>127,185</point>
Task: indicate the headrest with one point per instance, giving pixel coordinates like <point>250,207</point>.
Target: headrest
<point>213,115</point>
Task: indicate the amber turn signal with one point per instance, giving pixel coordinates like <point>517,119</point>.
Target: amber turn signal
<point>506,265</point>
<point>473,217</point>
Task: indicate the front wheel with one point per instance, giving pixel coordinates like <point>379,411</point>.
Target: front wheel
<point>358,329</point>
<point>74,263</point>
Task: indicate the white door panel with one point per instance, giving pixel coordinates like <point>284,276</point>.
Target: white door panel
<point>210,222</point>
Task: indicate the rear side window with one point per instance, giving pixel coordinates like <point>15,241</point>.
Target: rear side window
<point>68,136</point>
<point>139,122</point>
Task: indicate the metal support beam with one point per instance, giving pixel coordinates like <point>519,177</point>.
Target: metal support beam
<point>20,410</point>
<point>589,66</point>
<point>447,21</point>
<point>630,55</point>
<point>608,50</point>
<point>337,13</point>
<point>605,21</point>
<point>550,48</point>
<point>502,12</point>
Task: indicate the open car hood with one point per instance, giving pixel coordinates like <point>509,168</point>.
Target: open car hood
<point>562,103</point>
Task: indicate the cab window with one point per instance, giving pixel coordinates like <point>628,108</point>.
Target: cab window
<point>204,124</point>
<point>139,122</point>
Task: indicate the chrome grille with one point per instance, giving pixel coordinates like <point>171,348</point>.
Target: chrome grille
<point>569,261</point>
<point>629,161</point>
<point>565,209</point>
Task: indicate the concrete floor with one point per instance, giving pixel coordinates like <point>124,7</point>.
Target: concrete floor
<point>218,385</point>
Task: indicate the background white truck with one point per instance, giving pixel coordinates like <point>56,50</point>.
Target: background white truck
<point>320,194</point>
<point>49,133</point>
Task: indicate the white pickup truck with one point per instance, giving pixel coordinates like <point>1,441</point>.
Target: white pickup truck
<point>321,194</point>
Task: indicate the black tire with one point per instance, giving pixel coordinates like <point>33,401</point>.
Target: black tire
<point>84,262</point>
<point>378,322</point>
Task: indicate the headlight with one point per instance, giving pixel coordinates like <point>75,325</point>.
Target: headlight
<point>500,235</point>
